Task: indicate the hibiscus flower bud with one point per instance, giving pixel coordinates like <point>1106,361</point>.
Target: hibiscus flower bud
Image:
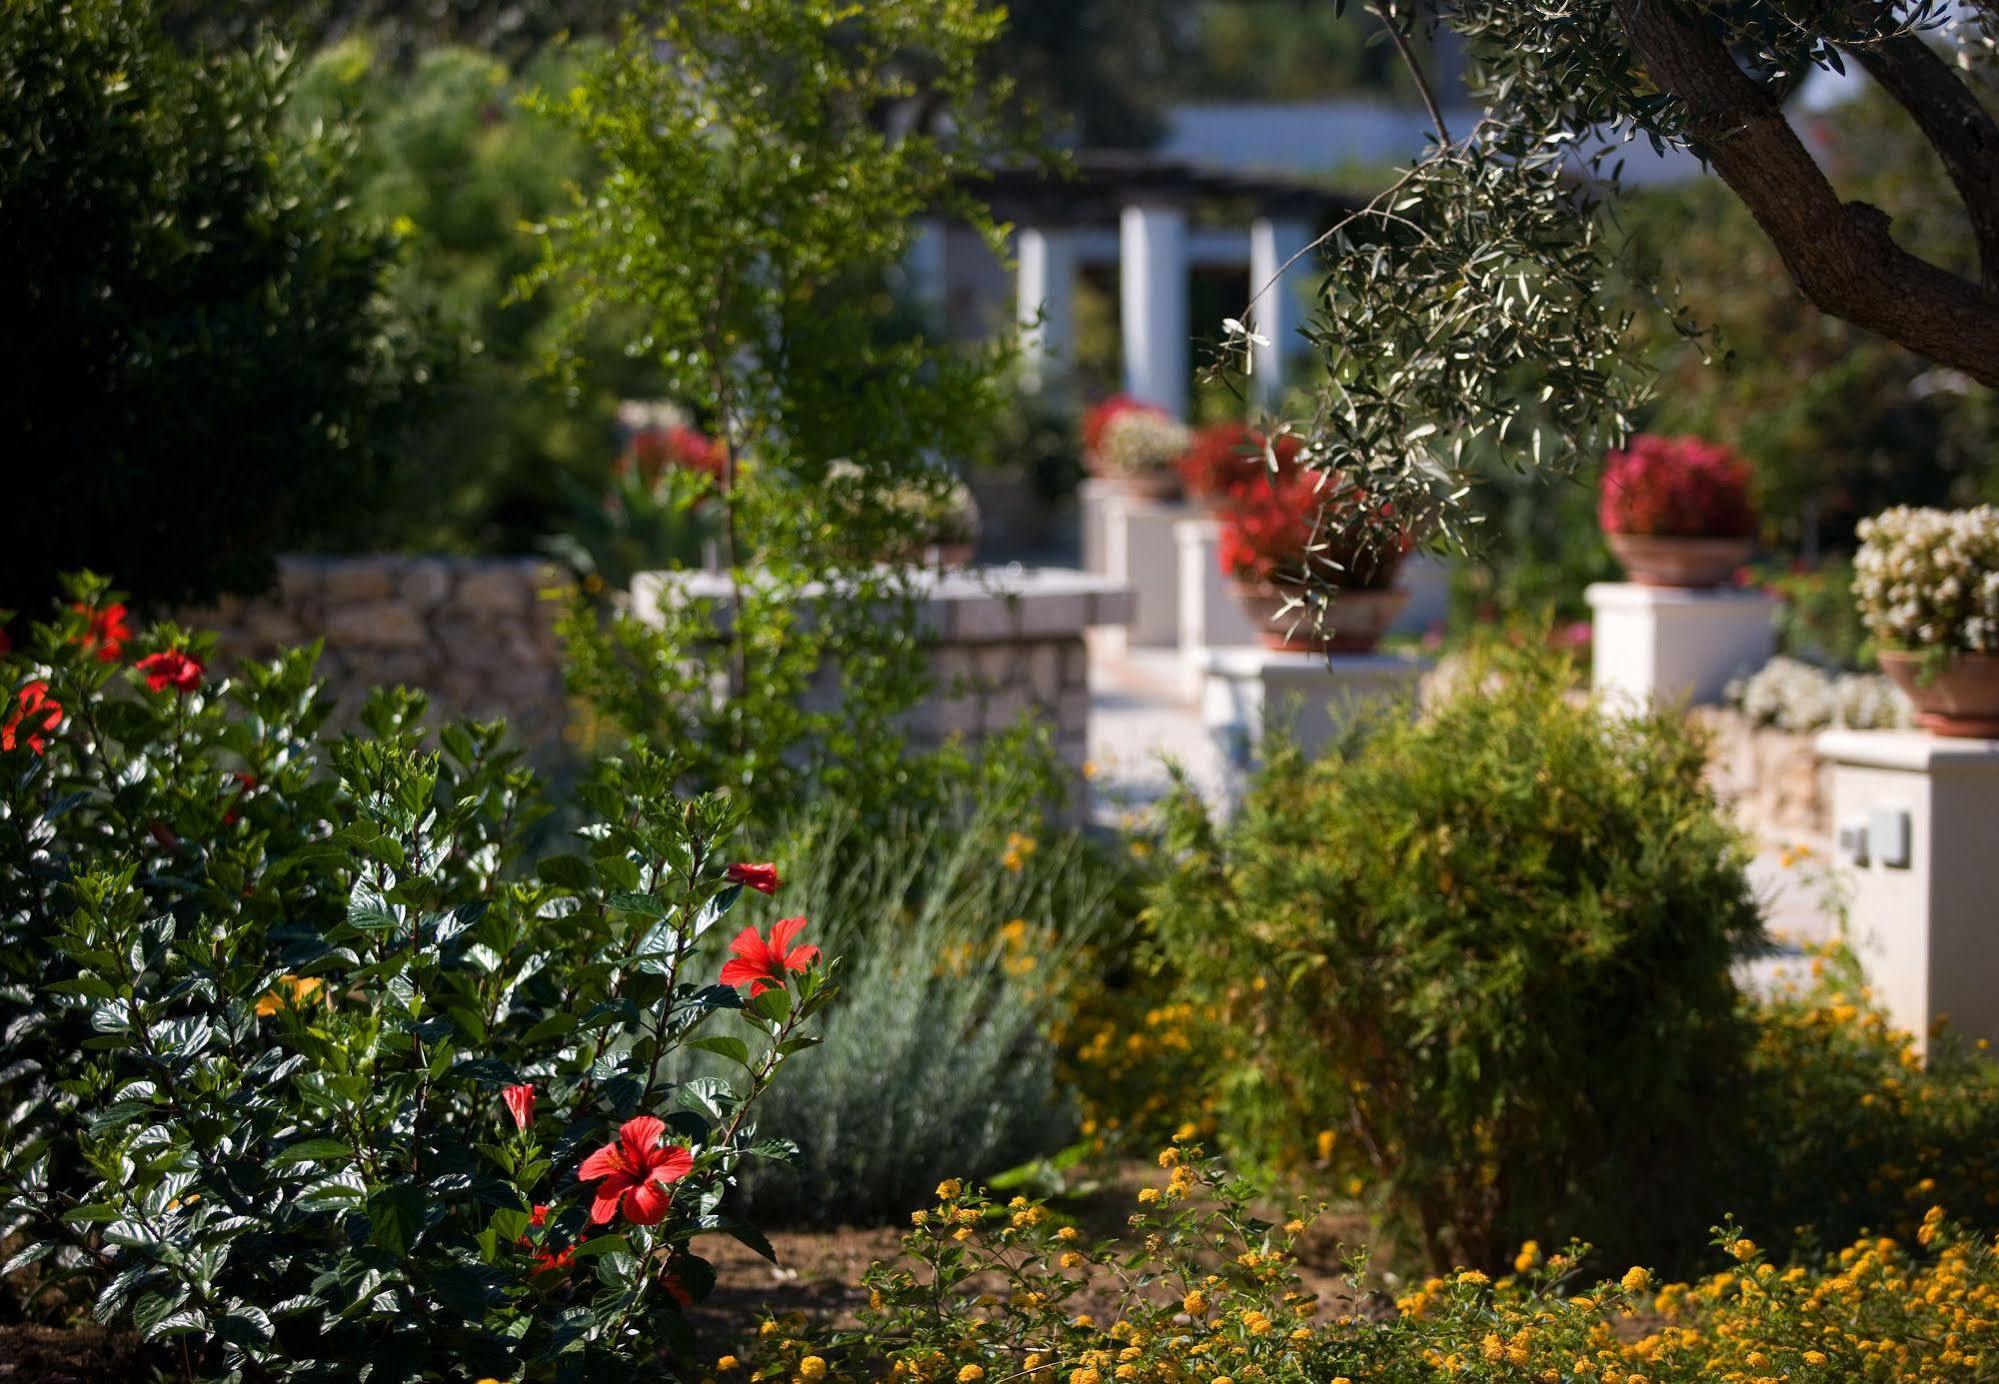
<point>520,1104</point>
<point>762,878</point>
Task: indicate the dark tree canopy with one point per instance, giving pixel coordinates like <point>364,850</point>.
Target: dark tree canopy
<point>200,359</point>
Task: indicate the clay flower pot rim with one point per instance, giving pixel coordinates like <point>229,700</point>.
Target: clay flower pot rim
<point>1670,560</point>
<point>1959,698</point>
<point>1376,609</point>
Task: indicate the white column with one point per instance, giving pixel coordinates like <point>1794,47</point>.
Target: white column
<point>1210,615</point>
<point>924,267</point>
<point>1046,284</point>
<point>1152,261</point>
<point>1279,308</point>
<point>1915,818</point>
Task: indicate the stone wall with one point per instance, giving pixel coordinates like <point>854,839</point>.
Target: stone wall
<point>472,632</point>
<point>1773,780</point>
<point>1008,642</point>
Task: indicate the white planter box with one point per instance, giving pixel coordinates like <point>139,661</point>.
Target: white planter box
<point>1672,644</point>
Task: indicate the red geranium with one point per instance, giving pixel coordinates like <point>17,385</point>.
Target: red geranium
<point>1676,487</point>
<point>171,668</point>
<point>637,1169</point>
<point>762,963</point>
<point>35,712</point>
<point>106,633</point>
<point>1268,527</point>
<point>520,1104</point>
<point>1227,457</point>
<point>762,878</point>
<point>653,450</point>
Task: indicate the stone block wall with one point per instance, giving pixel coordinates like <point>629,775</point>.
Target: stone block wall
<point>1007,642</point>
<point>474,633</point>
<point>1772,779</point>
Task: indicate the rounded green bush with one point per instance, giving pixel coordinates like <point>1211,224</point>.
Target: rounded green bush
<point>1478,967</point>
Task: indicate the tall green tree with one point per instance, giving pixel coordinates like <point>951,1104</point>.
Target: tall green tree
<point>203,363</point>
<point>763,166</point>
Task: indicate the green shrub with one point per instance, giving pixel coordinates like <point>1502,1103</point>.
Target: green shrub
<point>304,1069</point>
<point>203,362</point>
<point>1482,963</point>
<point>1846,1128</point>
<point>962,927</point>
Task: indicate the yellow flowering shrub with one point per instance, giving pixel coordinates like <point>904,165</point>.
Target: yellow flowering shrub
<point>990,1291</point>
<point>1846,1125</point>
<point>1480,964</point>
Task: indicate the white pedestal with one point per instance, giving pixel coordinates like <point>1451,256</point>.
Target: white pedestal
<point>1210,615</point>
<point>1917,821</point>
<point>1427,579</point>
<point>1319,698</point>
<point>1140,552</point>
<point>1670,644</point>
<point>1093,498</point>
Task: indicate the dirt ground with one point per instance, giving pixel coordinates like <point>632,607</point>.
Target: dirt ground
<point>818,1273</point>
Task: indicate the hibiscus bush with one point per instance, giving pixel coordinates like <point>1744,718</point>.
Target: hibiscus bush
<point>313,1073</point>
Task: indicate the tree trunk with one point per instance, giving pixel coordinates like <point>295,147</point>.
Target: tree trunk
<point>1840,254</point>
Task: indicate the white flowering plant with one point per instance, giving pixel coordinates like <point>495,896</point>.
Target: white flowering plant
<point>1796,696</point>
<point>1140,441</point>
<point>1927,580</point>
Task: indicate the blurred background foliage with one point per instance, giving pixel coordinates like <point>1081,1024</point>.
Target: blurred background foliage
<point>448,157</point>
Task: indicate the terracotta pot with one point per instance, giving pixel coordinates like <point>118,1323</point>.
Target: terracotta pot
<point>1650,560</point>
<point>1359,617</point>
<point>949,556</point>
<point>1148,485</point>
<point>1962,700</point>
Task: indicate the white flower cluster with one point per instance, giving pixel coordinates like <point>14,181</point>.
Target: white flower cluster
<point>1795,696</point>
<point>1140,440</point>
<point>1929,578</point>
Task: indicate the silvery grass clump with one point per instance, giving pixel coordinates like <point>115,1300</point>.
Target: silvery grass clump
<point>1928,579</point>
<point>962,927</point>
<point>1796,696</point>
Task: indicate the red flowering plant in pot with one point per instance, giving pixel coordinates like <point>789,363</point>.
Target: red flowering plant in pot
<point>658,511</point>
<point>1676,511</point>
<point>1226,458</point>
<point>377,1081</point>
<point>1135,445</point>
<point>1286,538</point>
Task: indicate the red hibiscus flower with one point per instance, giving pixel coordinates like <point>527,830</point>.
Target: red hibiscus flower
<point>546,1262</point>
<point>107,632</point>
<point>35,712</point>
<point>171,668</point>
<point>762,962</point>
<point>637,1170</point>
<point>762,878</point>
<point>520,1104</point>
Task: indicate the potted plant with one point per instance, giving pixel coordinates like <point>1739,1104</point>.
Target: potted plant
<point>1136,446</point>
<point>1224,458</point>
<point>1927,584</point>
<point>945,518</point>
<point>1676,511</point>
<point>1271,529</point>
